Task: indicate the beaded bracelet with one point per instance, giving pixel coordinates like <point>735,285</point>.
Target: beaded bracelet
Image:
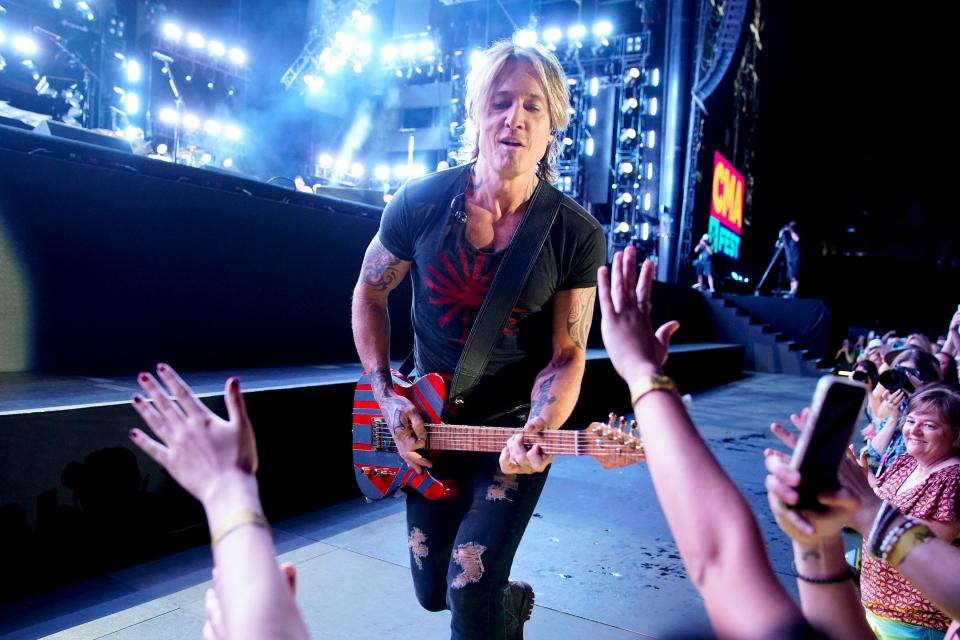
<point>885,516</point>
<point>241,518</point>
<point>893,535</point>
<point>837,579</point>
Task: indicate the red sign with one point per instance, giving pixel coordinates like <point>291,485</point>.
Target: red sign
<point>726,199</point>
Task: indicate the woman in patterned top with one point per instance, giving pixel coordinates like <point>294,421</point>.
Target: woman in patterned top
<point>923,483</point>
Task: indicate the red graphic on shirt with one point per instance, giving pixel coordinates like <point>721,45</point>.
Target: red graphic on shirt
<point>516,314</point>
<point>463,289</point>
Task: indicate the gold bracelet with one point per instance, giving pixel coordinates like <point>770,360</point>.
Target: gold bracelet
<point>906,543</point>
<point>239,519</point>
<point>645,384</point>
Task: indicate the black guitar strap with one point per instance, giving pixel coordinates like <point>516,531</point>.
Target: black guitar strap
<point>504,291</point>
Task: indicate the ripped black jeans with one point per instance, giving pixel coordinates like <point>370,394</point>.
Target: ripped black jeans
<point>461,549</point>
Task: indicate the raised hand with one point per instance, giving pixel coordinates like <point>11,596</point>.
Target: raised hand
<point>196,446</point>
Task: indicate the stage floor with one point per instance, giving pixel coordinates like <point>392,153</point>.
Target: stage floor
<point>597,551</point>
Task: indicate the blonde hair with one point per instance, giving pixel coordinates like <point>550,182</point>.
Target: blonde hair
<point>480,85</point>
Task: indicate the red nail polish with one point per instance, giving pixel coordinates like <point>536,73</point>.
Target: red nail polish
<point>234,383</point>
<point>137,399</point>
<point>143,377</point>
<point>133,434</point>
<point>162,368</point>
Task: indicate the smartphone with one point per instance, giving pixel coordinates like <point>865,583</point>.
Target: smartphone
<point>835,410</point>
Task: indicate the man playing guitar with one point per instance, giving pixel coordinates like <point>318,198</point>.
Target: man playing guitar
<point>450,230</point>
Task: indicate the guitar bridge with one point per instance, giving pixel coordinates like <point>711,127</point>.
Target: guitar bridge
<point>380,436</point>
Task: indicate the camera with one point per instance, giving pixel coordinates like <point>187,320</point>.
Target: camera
<point>861,376</point>
<point>895,379</point>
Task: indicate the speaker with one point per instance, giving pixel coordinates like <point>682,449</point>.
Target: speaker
<point>60,130</point>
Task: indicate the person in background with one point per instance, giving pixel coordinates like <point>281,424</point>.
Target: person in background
<point>845,356</point>
<point>215,460</point>
<point>791,249</point>
<point>704,262</point>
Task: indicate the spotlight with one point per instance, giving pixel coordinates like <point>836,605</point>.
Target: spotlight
<point>206,158</point>
<point>408,50</point>
<point>645,231</point>
<point>592,117</point>
<point>24,45</point>
<point>400,171</point>
<point>647,200</point>
<point>212,127</point>
<point>589,148</point>
<point>387,197</point>
<point>191,122</point>
<point>210,86</point>
<point>629,105</point>
<point>195,40</point>
<point>623,227</point>
<point>357,67</point>
<point>356,170</point>
<point>389,53</point>
<point>216,48</point>
<point>132,132</point>
<point>132,102</point>
<point>237,56</point>
<point>227,163</point>
<point>382,173</point>
<point>649,171</point>
<point>399,73</point>
<point>161,149</point>
<point>652,106</point>
<point>325,160</point>
<point>577,32</point>
<point>133,71</point>
<point>628,134</point>
<point>364,50</point>
<point>417,170</point>
<point>655,77</point>
<point>172,31</point>
<point>602,29</point>
<point>594,86</point>
<point>168,116</point>
<point>625,198</point>
<point>525,38</point>
<point>552,35</point>
<point>651,139</point>
<point>633,74</point>
<point>626,167</point>
<point>567,141</point>
<point>232,132</point>
<point>425,47</point>
<point>476,57</point>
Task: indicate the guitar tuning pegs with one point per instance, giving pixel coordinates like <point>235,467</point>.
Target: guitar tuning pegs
<point>634,430</point>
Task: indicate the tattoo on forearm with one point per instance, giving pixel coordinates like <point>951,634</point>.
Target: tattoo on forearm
<point>379,267</point>
<point>543,397</point>
<point>580,317</point>
<point>380,380</point>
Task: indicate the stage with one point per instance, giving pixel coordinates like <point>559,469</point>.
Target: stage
<point>597,551</point>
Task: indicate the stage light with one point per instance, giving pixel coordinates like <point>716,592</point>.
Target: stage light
<point>592,117</point>
<point>227,163</point>
<point>387,197</point>
<point>196,40</point>
<point>206,158</point>
<point>476,57</point>
<point>625,198</point>
<point>169,116</point>
<point>623,227</point>
<point>3,37</point>
<point>552,35</point>
<point>210,86</point>
<point>425,47</point>
<point>23,44</point>
<point>188,78</point>
<point>645,231</point>
<point>418,170</point>
<point>132,103</point>
<point>364,50</point>
<point>216,48</point>
<point>408,50</point>
<point>90,16</point>
<point>356,170</point>
<point>132,133</point>
<point>589,148</point>
<point>133,71</point>
<point>626,167</point>
<point>572,82</point>
<point>325,160</point>
<point>314,83</point>
<point>212,127</point>
<point>594,86</point>
<point>400,171</point>
<point>237,56</point>
<point>629,105</point>
<point>120,92</point>
<point>191,122</point>
<point>232,132</point>
<point>602,29</point>
<point>56,4</point>
<point>341,166</point>
<point>567,141</point>
<point>577,32</point>
<point>398,73</point>
<point>655,77</point>
<point>362,20</point>
<point>633,74</point>
<point>649,171</point>
<point>389,53</point>
<point>651,139</point>
<point>382,173</point>
<point>83,6</point>
<point>172,31</point>
<point>628,134</point>
<point>357,67</point>
<point>647,201</point>
<point>161,148</point>
<point>652,106</point>
<point>525,38</point>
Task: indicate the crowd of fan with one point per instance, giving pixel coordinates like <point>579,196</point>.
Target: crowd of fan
<point>902,496</point>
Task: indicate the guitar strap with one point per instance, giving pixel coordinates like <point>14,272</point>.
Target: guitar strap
<point>504,292</point>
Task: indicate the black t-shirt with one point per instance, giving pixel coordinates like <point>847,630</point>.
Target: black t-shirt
<point>451,278</point>
<point>791,247</point>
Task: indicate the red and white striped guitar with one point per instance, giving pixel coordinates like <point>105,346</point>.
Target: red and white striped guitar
<point>381,472</point>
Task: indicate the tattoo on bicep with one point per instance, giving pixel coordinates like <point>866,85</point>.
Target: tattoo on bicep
<point>580,317</point>
<point>379,267</point>
<point>543,397</point>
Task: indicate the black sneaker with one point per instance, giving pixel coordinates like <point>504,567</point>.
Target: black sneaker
<point>518,607</point>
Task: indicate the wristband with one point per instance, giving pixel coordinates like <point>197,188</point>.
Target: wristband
<point>239,519</point>
<point>837,579</point>
<point>645,384</point>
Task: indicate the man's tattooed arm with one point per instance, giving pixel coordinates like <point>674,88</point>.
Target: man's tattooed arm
<point>380,267</point>
<point>581,316</point>
<point>543,396</point>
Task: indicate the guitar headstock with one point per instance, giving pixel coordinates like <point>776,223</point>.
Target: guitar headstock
<point>615,443</point>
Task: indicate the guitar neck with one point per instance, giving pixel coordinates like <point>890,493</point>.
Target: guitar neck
<point>455,437</point>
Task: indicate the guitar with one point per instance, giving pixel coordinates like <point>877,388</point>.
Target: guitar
<point>381,471</point>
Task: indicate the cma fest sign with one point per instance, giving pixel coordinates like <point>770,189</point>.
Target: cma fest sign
<point>726,208</point>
